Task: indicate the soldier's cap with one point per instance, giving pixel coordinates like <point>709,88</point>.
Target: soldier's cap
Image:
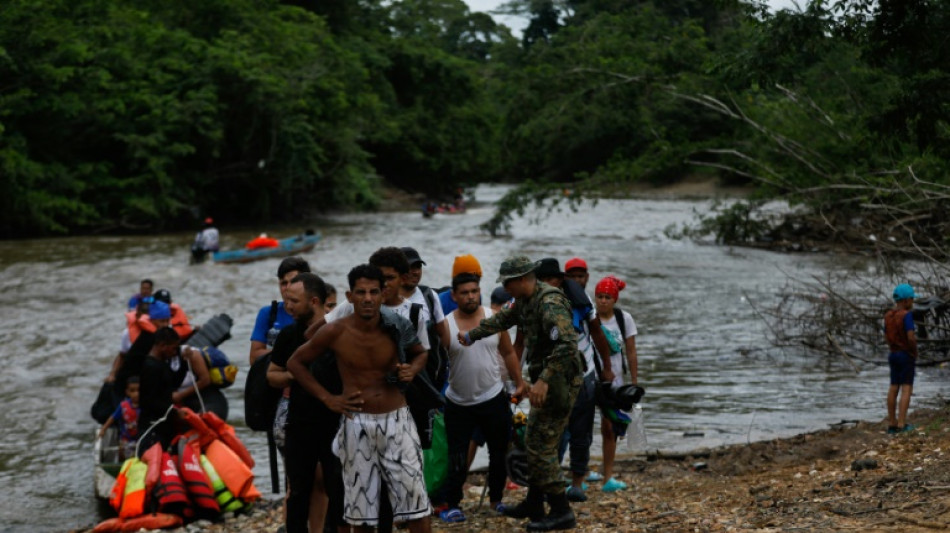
<point>548,268</point>
<point>412,255</point>
<point>515,267</point>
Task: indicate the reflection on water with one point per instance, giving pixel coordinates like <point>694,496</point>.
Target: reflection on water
<point>703,356</point>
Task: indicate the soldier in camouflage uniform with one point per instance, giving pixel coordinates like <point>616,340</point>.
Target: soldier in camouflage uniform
<point>555,367</point>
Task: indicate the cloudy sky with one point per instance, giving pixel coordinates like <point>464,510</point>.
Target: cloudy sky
<point>516,23</point>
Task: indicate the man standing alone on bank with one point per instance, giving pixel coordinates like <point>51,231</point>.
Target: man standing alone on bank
<point>899,332</point>
<point>556,368</point>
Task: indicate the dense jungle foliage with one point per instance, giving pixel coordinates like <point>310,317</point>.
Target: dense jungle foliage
<point>142,115</point>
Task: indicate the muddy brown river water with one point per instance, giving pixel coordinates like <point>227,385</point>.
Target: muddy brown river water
<point>711,377</point>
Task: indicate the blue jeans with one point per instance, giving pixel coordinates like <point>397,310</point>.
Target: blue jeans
<point>580,428</point>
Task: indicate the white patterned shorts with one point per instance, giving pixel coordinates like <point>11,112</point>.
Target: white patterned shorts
<point>376,448</point>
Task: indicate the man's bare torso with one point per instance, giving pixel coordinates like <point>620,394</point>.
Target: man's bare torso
<point>365,357</point>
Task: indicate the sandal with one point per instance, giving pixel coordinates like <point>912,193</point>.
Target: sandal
<point>452,516</point>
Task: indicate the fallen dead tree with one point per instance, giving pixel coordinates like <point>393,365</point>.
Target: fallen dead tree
<point>841,315</point>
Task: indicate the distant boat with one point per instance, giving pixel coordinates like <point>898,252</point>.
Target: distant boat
<point>289,246</point>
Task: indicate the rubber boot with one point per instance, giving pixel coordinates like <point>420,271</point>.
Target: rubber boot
<point>560,517</point>
<point>532,507</point>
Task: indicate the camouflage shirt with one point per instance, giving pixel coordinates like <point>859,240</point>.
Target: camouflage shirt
<point>550,338</point>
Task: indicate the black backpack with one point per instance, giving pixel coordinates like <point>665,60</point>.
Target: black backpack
<point>437,362</point>
<point>260,399</point>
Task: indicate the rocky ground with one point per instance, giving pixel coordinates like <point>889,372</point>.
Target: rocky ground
<point>850,477</point>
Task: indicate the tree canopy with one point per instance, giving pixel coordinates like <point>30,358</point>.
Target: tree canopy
<point>141,116</point>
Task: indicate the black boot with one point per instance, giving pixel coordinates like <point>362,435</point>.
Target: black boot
<point>531,507</point>
<point>560,517</point>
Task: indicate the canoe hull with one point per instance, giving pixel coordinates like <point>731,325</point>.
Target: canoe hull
<point>289,246</point>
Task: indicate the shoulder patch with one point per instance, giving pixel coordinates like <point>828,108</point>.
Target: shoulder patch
<point>554,333</point>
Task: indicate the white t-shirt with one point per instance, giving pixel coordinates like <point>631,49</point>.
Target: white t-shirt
<point>419,298</point>
<point>126,343</point>
<point>612,332</point>
<point>402,309</point>
<point>474,371</point>
<point>584,342</point>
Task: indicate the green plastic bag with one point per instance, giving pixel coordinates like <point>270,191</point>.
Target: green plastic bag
<point>435,466</point>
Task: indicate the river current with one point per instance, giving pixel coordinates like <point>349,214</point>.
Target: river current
<point>710,375</point>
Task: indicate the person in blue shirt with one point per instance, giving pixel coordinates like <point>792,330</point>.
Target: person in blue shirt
<point>271,318</point>
<point>144,295</point>
<point>901,337</point>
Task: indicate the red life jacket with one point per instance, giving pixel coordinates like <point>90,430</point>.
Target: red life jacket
<point>894,330</point>
<point>170,491</point>
<point>130,417</point>
<point>196,481</point>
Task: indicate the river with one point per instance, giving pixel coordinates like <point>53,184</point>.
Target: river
<point>704,359</point>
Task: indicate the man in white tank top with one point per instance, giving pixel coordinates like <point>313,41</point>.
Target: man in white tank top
<point>476,396</point>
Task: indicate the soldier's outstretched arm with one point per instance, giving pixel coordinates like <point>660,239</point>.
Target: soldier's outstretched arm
<point>498,322</point>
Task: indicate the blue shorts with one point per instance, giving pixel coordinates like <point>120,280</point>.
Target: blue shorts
<point>902,368</point>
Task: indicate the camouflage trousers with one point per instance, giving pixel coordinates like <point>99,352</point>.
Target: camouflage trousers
<point>545,426</point>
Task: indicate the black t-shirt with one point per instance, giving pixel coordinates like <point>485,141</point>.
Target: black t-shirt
<point>133,360</point>
<point>303,407</point>
<point>156,385</point>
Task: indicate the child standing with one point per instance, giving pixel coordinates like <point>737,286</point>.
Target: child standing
<point>899,332</point>
<point>126,418</point>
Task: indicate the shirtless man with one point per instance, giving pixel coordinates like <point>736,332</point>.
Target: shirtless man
<point>377,441</point>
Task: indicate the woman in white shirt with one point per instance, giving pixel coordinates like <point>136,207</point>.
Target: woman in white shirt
<point>623,345</point>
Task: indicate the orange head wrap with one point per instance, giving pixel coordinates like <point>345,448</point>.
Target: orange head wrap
<point>466,264</point>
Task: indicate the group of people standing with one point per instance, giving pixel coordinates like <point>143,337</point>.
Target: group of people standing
<point>351,441</point>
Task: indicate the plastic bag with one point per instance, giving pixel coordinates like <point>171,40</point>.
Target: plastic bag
<point>435,459</point>
<point>636,432</point>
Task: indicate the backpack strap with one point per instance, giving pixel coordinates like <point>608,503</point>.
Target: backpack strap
<point>618,316</point>
<point>414,311</point>
<point>429,295</point>
<point>273,314</point>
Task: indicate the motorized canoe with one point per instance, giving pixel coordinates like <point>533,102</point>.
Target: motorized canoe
<point>286,247</point>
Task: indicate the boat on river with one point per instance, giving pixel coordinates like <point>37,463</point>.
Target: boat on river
<point>303,242</point>
<point>106,461</point>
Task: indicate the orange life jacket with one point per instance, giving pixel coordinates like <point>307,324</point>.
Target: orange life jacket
<point>170,491</point>
<point>262,242</point>
<point>198,429</point>
<point>225,499</point>
<point>152,458</point>
<point>235,474</point>
<point>179,322</point>
<point>226,433</point>
<point>151,521</point>
<point>137,324</point>
<point>118,488</point>
<point>109,526</point>
<point>133,500</point>
<point>196,481</point>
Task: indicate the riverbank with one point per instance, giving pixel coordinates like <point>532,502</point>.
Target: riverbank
<point>852,476</point>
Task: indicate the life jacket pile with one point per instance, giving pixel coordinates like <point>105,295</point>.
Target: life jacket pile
<point>206,472</point>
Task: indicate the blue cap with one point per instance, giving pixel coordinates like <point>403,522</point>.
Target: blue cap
<point>158,310</point>
<point>903,291</point>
